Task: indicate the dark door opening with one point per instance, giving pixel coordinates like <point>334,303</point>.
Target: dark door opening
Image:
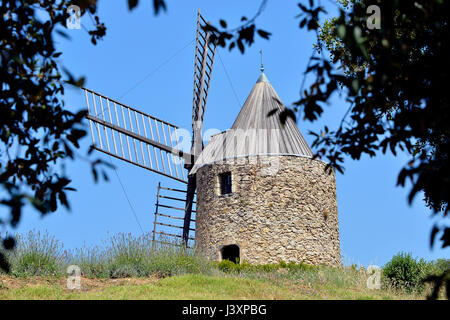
<point>230,252</point>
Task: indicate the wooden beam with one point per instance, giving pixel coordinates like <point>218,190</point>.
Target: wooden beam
<point>192,185</point>
<point>156,214</point>
<point>171,189</point>
<point>137,164</point>
<point>131,108</point>
<point>185,155</point>
<point>172,226</point>
<point>171,235</point>
<point>173,217</point>
<point>173,198</point>
<point>170,207</point>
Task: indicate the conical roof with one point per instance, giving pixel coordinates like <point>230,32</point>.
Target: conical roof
<point>254,133</point>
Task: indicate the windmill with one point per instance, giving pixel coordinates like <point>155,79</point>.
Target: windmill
<point>143,140</point>
<point>262,197</point>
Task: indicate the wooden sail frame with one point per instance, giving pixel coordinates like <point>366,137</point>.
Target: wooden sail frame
<point>138,138</point>
<point>135,137</point>
<point>205,51</point>
<point>167,214</point>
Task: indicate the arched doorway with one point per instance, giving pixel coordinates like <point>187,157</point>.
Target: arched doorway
<point>230,252</point>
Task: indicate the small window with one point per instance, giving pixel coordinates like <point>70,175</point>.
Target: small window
<point>225,183</point>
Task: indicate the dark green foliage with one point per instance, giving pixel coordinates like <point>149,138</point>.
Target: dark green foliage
<point>405,272</point>
<point>241,36</point>
<point>439,266</point>
<point>395,89</point>
<point>439,275</point>
<point>37,132</point>
<point>157,5</point>
<point>4,265</point>
<point>301,267</point>
<point>439,280</point>
<point>228,266</point>
<point>393,83</point>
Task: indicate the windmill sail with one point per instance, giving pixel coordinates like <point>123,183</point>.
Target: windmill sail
<point>135,137</point>
<point>205,51</point>
<point>145,141</point>
<point>168,217</point>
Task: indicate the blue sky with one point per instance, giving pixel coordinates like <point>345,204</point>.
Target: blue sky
<point>374,218</point>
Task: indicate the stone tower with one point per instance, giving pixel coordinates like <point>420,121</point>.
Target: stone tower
<point>260,195</point>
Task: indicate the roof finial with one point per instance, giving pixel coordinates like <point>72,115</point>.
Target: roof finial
<point>262,66</point>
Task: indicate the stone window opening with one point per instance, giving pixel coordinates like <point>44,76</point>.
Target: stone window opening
<point>225,183</point>
<point>231,253</point>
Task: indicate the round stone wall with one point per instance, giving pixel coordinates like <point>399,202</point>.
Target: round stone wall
<point>281,208</point>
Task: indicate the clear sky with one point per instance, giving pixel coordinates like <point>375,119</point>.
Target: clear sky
<point>374,218</point>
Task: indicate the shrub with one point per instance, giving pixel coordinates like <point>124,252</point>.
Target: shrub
<point>405,272</point>
<point>437,267</point>
<point>175,261</point>
<point>37,254</point>
<point>230,267</point>
<point>301,267</point>
<point>127,255</point>
<point>92,262</point>
<point>227,266</point>
<point>124,255</point>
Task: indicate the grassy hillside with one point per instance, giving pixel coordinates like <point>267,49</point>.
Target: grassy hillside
<point>188,286</point>
<point>126,267</point>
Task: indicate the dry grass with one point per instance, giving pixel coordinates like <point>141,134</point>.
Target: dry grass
<point>189,286</point>
<point>128,267</point>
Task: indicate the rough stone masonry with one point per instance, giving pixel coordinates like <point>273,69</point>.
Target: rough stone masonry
<point>287,214</point>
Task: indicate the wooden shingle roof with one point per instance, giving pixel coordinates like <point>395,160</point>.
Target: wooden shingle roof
<point>254,133</point>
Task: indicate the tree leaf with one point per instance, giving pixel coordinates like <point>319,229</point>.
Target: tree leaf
<point>434,231</point>
<point>240,46</point>
<point>4,265</point>
<point>158,5</point>
<point>9,243</point>
<point>272,112</point>
<point>132,4</point>
<point>446,237</point>
<point>264,34</point>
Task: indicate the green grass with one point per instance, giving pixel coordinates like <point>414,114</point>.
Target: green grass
<point>34,293</point>
<point>194,286</point>
<point>128,267</point>
<point>198,287</point>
